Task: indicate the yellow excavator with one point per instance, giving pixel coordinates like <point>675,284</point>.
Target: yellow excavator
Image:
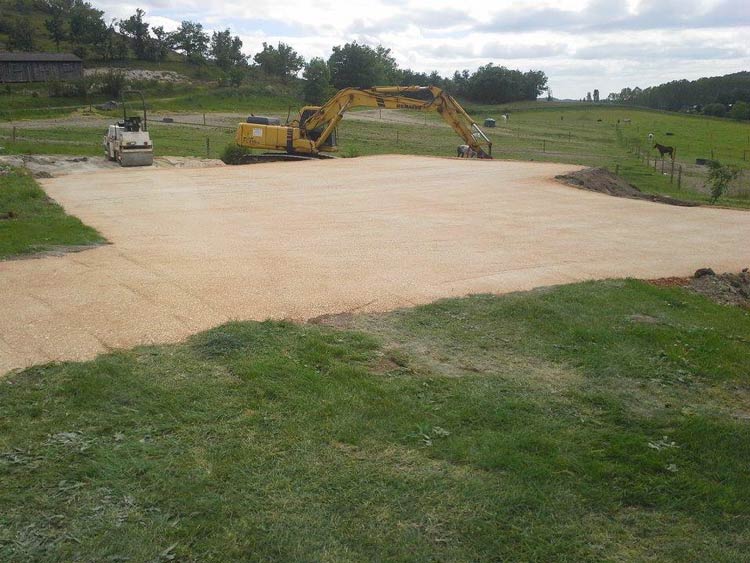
<point>313,132</point>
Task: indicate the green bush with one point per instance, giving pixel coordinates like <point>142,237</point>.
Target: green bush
<point>719,178</point>
<point>112,83</point>
<point>717,110</point>
<point>740,111</point>
<point>233,154</point>
<point>56,89</point>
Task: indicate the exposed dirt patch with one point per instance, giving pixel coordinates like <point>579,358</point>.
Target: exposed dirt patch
<point>727,289</point>
<point>338,320</point>
<point>603,181</point>
<point>670,282</point>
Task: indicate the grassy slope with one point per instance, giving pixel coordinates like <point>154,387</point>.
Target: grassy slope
<point>598,421</point>
<point>39,223</point>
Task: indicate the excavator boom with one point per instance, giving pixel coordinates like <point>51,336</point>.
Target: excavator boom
<point>313,130</point>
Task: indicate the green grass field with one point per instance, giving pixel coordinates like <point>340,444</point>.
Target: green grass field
<point>32,223</point>
<point>597,421</point>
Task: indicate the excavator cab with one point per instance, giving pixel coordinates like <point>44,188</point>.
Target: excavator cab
<point>314,135</point>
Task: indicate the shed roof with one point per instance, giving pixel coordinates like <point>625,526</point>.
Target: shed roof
<point>7,56</point>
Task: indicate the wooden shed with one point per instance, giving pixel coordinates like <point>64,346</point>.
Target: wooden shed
<point>39,67</point>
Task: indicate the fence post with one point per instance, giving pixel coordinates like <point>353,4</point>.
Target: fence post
<point>13,135</point>
<point>671,174</point>
<point>544,146</point>
<point>617,169</point>
<point>208,147</point>
<point>397,136</point>
<point>662,165</point>
<point>204,118</point>
<point>679,178</point>
<point>654,163</point>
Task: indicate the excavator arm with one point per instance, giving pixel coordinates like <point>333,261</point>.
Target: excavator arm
<point>423,98</point>
<point>313,131</point>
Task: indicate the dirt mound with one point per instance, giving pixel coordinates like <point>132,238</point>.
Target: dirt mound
<point>727,289</point>
<point>603,181</point>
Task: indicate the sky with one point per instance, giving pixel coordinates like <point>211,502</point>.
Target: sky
<point>581,45</point>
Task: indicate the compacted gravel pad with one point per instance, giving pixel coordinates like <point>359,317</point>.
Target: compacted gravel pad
<point>193,248</point>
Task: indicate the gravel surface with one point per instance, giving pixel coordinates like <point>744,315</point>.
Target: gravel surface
<point>192,248</point>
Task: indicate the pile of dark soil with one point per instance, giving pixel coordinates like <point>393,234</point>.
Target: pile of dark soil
<point>603,181</point>
<point>727,289</point>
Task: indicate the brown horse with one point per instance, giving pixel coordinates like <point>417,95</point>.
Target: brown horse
<point>665,150</point>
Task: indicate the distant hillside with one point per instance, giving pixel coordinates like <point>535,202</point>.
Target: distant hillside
<point>79,27</point>
<point>683,95</point>
<point>67,26</point>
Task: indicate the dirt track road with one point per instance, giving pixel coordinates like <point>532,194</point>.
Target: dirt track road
<point>193,248</point>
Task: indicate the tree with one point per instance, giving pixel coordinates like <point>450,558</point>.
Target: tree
<point>161,44</point>
<point>717,110</point>
<point>282,61</point>
<point>236,75</point>
<point>361,66</point>
<point>192,41</point>
<point>21,35</point>
<point>497,84</point>
<point>740,111</point>
<point>534,84</point>
<point>588,96</point>
<point>596,95</point>
<point>719,178</point>
<point>87,27</point>
<point>137,30</point>
<point>226,50</point>
<point>460,82</point>
<point>55,24</point>
<point>318,86</point>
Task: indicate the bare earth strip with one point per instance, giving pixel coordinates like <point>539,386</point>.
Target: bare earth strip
<point>193,248</point>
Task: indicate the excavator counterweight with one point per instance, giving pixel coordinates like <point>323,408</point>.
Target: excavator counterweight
<point>314,130</point>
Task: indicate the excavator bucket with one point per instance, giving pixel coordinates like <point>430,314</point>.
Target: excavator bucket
<point>136,158</point>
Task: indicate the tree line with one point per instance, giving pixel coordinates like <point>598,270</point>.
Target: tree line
<point>721,96</point>
<point>81,27</point>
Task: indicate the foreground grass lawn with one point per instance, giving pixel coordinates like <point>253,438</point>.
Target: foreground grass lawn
<point>597,421</point>
<point>30,222</point>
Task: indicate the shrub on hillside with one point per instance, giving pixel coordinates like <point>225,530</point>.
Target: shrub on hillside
<point>112,83</point>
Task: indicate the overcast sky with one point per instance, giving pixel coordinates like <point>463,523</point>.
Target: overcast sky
<point>581,45</point>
